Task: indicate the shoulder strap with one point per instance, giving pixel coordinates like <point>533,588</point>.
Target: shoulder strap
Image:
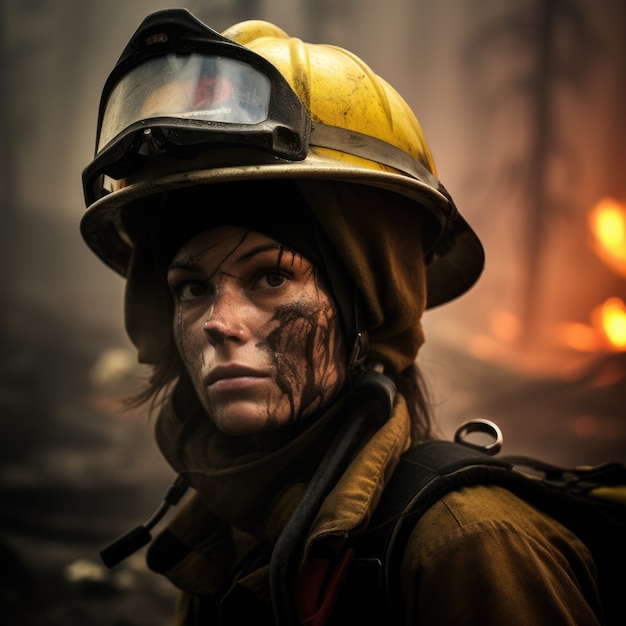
<point>429,471</point>
<point>424,475</point>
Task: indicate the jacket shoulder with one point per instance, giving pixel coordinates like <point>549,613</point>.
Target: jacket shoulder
<point>495,550</point>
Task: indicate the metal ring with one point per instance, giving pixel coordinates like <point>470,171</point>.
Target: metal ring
<point>483,426</point>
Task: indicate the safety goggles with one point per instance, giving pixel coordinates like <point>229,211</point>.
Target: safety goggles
<point>186,87</point>
<point>181,87</point>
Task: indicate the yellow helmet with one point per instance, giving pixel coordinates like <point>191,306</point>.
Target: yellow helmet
<point>187,106</point>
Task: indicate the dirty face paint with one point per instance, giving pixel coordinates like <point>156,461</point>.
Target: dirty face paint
<point>257,331</point>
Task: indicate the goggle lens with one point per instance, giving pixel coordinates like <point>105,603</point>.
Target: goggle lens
<point>192,86</point>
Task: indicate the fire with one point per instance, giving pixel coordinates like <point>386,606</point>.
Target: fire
<point>611,317</point>
<point>607,330</point>
<point>607,221</point>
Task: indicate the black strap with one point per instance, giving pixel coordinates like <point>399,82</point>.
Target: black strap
<point>424,474</point>
<point>370,401</point>
<point>430,470</point>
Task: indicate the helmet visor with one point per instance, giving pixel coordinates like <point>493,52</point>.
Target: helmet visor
<point>192,86</point>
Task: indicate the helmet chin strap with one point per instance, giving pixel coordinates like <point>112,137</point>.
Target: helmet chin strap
<point>348,300</point>
<point>361,345</point>
<point>360,349</point>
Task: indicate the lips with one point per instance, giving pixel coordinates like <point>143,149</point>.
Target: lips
<point>233,371</point>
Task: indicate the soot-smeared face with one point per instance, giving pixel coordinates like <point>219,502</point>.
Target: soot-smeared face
<point>258,334</point>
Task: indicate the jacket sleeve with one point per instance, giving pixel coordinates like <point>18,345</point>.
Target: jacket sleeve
<point>481,556</point>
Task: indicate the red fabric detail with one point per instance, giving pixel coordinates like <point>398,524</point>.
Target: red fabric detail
<point>318,586</point>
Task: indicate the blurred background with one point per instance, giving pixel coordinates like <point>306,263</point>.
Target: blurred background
<point>523,104</point>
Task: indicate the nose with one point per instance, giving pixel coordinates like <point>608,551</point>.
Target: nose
<point>214,335</point>
<point>225,320</point>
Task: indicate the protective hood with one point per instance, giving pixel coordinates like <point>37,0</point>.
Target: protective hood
<point>374,244</point>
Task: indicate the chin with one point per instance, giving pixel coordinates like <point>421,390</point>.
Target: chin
<point>246,423</point>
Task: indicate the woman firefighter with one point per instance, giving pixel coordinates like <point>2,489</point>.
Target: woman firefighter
<point>274,208</point>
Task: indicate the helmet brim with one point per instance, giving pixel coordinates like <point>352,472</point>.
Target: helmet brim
<point>452,268</point>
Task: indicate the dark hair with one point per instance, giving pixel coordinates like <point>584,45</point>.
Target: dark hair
<point>413,386</point>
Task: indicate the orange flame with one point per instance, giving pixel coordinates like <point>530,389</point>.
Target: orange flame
<point>611,318</point>
<point>607,330</point>
<point>607,221</point>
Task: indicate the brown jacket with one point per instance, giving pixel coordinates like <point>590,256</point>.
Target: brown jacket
<point>480,556</point>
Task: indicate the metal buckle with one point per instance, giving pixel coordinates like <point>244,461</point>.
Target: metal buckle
<point>481,426</point>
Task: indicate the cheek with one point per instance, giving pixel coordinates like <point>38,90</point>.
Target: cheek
<point>309,355</point>
<point>189,342</point>
<point>328,362</point>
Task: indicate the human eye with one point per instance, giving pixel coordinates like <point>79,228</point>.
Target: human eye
<point>271,279</point>
<point>186,291</point>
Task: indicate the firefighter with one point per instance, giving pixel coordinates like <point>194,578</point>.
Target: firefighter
<point>274,208</point>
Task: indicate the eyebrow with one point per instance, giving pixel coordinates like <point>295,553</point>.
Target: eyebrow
<point>260,249</point>
<point>184,265</point>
